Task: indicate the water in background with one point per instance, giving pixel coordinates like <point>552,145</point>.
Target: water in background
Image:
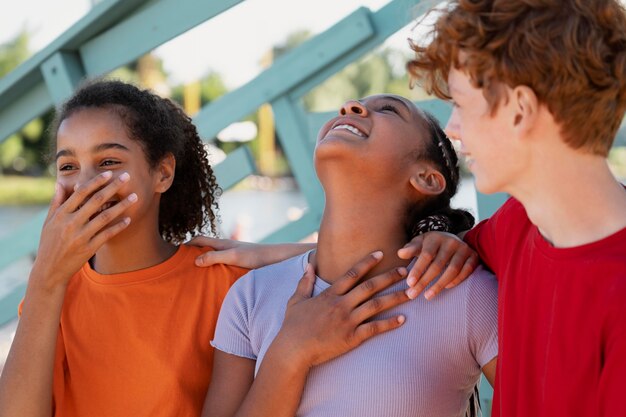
<point>246,215</point>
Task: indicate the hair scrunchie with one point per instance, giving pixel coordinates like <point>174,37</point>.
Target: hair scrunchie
<point>434,222</point>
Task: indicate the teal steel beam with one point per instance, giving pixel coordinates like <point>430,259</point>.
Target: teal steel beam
<point>292,132</point>
<point>286,73</point>
<point>386,21</point>
<point>27,75</point>
<point>62,73</point>
<point>153,24</point>
<point>33,103</point>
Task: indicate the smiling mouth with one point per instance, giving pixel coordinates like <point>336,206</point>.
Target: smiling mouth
<point>349,128</point>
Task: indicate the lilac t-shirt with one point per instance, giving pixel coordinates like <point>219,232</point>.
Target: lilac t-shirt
<point>427,367</point>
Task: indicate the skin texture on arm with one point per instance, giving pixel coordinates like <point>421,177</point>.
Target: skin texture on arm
<point>439,254</point>
<point>69,238</point>
<point>489,370</point>
<point>315,330</point>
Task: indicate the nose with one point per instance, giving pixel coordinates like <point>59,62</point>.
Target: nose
<point>353,107</point>
<point>453,127</point>
<point>84,176</point>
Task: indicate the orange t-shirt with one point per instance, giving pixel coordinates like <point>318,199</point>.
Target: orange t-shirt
<point>138,343</point>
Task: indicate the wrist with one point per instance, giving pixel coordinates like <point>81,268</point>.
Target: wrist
<point>295,358</point>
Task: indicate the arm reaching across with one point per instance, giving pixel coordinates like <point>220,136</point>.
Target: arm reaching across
<point>314,330</point>
<point>246,254</point>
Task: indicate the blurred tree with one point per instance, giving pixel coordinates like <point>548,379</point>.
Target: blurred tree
<point>25,151</point>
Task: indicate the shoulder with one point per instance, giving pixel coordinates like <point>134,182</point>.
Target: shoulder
<point>222,272</point>
<point>480,287</point>
<point>278,278</point>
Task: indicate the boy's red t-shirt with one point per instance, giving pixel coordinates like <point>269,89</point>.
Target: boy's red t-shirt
<point>561,319</point>
<point>138,343</point>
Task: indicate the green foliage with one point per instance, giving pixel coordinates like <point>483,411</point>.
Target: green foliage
<point>26,190</point>
<point>14,52</point>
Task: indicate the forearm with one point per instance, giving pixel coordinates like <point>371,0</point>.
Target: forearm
<point>277,388</point>
<point>272,253</point>
<point>26,380</point>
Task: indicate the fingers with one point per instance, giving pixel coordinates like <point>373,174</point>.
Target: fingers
<point>215,243</point>
<point>107,216</point>
<point>82,192</point>
<point>468,267</point>
<point>305,286</point>
<point>379,304</point>
<point>93,204</point>
<point>354,274</point>
<point>368,330</point>
<point>411,249</point>
<point>106,234</point>
<point>366,290</point>
<point>57,199</point>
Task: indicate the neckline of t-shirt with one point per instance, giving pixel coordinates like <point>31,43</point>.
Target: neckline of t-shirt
<point>587,249</point>
<point>321,284</point>
<point>141,275</point>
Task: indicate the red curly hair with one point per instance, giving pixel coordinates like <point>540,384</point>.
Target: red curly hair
<point>572,53</point>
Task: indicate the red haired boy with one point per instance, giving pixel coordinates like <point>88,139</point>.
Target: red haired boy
<point>539,91</point>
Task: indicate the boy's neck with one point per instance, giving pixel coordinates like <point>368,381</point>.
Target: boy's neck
<point>131,251</point>
<point>575,201</point>
<point>351,229</point>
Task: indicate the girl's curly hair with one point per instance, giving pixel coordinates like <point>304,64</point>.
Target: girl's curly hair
<point>161,127</point>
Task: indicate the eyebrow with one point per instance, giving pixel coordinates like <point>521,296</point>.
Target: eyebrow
<point>95,149</point>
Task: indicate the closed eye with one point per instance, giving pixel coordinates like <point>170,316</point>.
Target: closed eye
<point>109,162</point>
<point>66,167</point>
<point>389,107</point>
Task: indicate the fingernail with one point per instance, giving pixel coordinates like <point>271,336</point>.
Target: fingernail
<point>57,188</point>
<point>401,271</point>
<point>107,174</point>
<point>411,281</point>
<point>132,197</point>
<point>126,220</point>
<point>429,294</point>
<point>378,255</point>
<point>450,285</point>
<point>199,262</point>
<point>411,293</point>
<point>401,319</point>
<point>124,177</point>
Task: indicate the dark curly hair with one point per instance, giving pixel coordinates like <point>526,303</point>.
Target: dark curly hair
<point>435,213</point>
<point>572,53</point>
<point>161,127</point>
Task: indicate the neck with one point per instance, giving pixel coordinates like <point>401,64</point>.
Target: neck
<point>132,250</point>
<point>575,202</point>
<point>350,229</point>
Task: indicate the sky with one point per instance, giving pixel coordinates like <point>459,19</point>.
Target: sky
<point>266,22</point>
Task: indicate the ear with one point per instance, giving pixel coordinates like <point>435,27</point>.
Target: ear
<point>525,108</point>
<point>165,173</point>
<point>428,181</point>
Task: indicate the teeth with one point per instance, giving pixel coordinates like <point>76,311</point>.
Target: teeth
<point>351,129</point>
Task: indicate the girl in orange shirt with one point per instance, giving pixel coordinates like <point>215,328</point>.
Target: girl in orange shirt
<point>128,334</point>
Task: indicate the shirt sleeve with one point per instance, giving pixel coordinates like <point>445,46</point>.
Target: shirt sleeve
<point>483,237</point>
<point>232,334</point>
<point>482,316</point>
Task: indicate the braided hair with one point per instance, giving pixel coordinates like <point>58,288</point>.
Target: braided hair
<point>435,213</point>
<point>162,128</point>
